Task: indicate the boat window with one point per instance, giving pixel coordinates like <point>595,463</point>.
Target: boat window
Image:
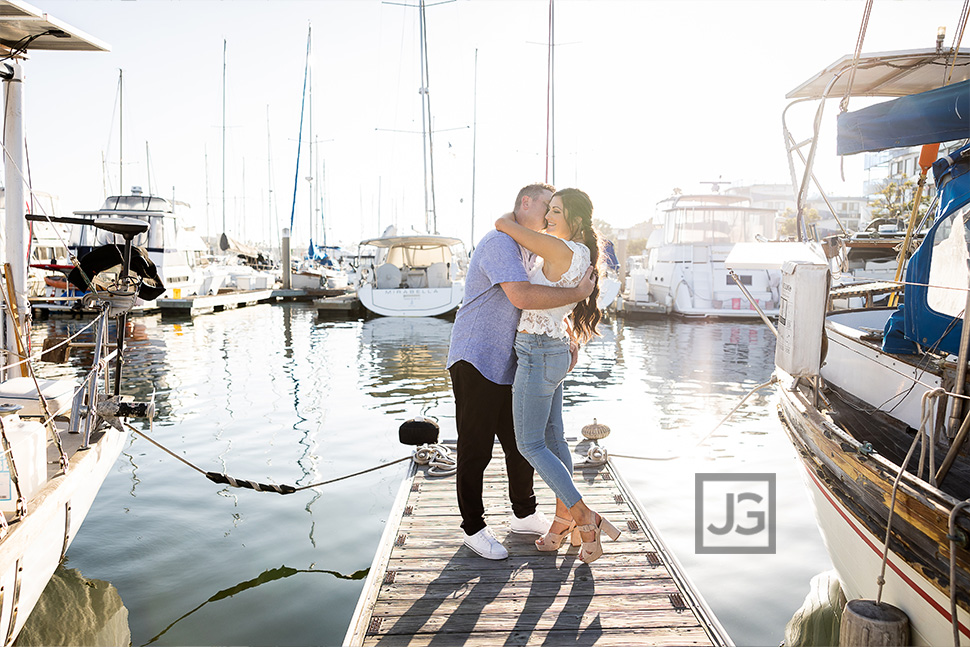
<point>717,226</point>
<point>948,266</point>
<point>106,238</point>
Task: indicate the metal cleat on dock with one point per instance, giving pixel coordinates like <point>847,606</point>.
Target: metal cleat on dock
<point>596,455</point>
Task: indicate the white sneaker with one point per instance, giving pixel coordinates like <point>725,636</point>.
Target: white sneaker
<point>485,544</point>
<point>535,524</point>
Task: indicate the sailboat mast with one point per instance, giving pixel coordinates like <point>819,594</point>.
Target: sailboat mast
<point>310,167</point>
<point>269,183</point>
<point>474,143</point>
<point>206,153</point>
<point>424,116</point>
<point>223,135</point>
<point>299,139</point>
<point>551,98</point>
<point>121,131</point>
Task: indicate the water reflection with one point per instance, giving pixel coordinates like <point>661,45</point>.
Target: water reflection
<point>402,362</point>
<point>75,610</point>
<point>276,394</point>
<point>270,575</point>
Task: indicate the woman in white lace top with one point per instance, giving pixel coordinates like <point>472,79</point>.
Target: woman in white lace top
<point>566,248</point>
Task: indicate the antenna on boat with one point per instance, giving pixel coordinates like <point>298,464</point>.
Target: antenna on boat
<point>716,185</point>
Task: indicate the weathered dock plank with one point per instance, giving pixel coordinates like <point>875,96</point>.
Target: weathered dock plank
<point>426,587</point>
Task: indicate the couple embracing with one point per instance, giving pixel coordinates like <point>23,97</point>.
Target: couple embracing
<point>530,301</point>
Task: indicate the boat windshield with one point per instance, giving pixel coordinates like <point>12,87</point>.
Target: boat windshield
<point>717,226</point>
<point>162,231</point>
<point>136,203</point>
<point>948,279</point>
<point>418,255</point>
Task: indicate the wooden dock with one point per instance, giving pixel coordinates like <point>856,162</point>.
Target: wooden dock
<point>628,308</point>
<point>343,303</point>
<point>201,304</point>
<point>425,587</point>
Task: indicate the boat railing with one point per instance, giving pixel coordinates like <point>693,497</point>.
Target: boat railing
<point>84,417</point>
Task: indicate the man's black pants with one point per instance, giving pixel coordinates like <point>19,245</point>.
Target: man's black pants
<point>483,410</point>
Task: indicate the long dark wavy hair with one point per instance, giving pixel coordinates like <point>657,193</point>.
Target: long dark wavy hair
<point>579,216</point>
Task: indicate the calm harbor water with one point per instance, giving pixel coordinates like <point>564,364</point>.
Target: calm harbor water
<point>277,394</point>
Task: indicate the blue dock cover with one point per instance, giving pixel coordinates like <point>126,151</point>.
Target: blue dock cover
<point>940,115</point>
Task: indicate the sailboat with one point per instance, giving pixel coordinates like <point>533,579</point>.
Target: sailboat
<point>49,476</point>
<point>421,274</point>
<point>872,398</point>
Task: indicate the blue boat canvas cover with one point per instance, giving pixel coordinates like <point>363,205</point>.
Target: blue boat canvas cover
<point>938,276</point>
<point>939,115</point>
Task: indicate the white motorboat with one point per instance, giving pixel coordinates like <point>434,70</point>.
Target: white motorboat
<point>683,270</point>
<point>171,241</point>
<point>413,276</point>
<point>862,390</point>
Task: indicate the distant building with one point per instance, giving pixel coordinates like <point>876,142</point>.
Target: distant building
<point>896,165</point>
<point>767,196</point>
<point>852,211</point>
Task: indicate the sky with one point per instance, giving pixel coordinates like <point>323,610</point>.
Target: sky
<point>649,95</point>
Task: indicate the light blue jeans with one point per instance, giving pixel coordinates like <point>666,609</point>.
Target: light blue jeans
<point>543,362</point>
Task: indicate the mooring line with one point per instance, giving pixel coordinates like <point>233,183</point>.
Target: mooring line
<point>225,479</point>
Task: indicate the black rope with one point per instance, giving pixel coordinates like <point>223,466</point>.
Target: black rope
<point>225,479</point>
<point>216,477</point>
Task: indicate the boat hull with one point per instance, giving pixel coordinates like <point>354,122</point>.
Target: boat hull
<point>851,490</point>
<point>411,302</point>
<point>693,281</point>
<point>35,544</point>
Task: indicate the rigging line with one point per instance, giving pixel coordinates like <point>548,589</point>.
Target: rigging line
<point>844,104</point>
<point>22,343</point>
<point>30,192</point>
<point>958,38</point>
<point>881,579</point>
<point>951,535</point>
<point>40,355</point>
<point>916,380</point>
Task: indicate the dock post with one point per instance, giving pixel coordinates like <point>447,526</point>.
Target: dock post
<point>867,623</point>
<point>286,259</point>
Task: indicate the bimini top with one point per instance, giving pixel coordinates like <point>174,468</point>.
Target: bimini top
<point>938,115</point>
<point>887,74</point>
<point>418,240</point>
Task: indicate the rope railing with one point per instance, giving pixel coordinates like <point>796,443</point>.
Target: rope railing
<point>39,356</point>
<point>922,437</point>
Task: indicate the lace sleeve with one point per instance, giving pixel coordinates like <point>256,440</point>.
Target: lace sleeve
<point>578,265</point>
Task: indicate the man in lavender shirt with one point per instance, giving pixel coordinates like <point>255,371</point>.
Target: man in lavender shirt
<point>482,366</point>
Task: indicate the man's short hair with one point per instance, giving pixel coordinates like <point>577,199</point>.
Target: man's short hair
<point>533,191</point>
